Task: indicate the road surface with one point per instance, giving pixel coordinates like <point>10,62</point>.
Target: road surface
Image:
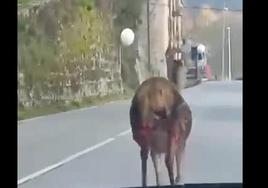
<point>92,147</point>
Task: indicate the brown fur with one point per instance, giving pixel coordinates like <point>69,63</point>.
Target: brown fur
<point>161,122</point>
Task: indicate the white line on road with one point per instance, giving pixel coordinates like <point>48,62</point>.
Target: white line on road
<point>66,160</point>
<point>124,132</point>
<point>70,111</point>
<point>22,121</point>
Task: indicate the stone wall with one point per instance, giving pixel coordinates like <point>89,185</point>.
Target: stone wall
<point>85,85</point>
<point>99,76</point>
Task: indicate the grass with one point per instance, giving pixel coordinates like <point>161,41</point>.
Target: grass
<point>31,112</point>
<point>24,1</point>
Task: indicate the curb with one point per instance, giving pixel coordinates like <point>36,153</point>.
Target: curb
<point>192,83</point>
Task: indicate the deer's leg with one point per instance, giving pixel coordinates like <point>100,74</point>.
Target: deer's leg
<point>144,156</point>
<point>157,158</point>
<point>179,154</point>
<point>170,161</point>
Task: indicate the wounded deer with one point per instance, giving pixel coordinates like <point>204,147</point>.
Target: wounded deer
<point>161,122</point>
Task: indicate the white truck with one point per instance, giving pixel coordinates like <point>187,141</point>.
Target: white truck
<point>201,56</point>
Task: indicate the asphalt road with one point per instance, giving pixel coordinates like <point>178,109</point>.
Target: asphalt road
<point>92,147</point>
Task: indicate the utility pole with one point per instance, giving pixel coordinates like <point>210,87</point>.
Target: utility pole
<point>120,67</point>
<point>229,53</point>
<point>148,33</point>
<point>223,42</point>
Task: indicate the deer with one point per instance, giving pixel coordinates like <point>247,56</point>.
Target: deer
<point>161,122</point>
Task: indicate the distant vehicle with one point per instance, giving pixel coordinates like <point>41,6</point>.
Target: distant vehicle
<point>198,67</point>
<point>201,56</point>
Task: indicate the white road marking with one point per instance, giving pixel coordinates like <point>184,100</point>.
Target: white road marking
<point>22,121</point>
<point>39,117</point>
<point>81,109</point>
<point>64,161</point>
<point>124,132</point>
